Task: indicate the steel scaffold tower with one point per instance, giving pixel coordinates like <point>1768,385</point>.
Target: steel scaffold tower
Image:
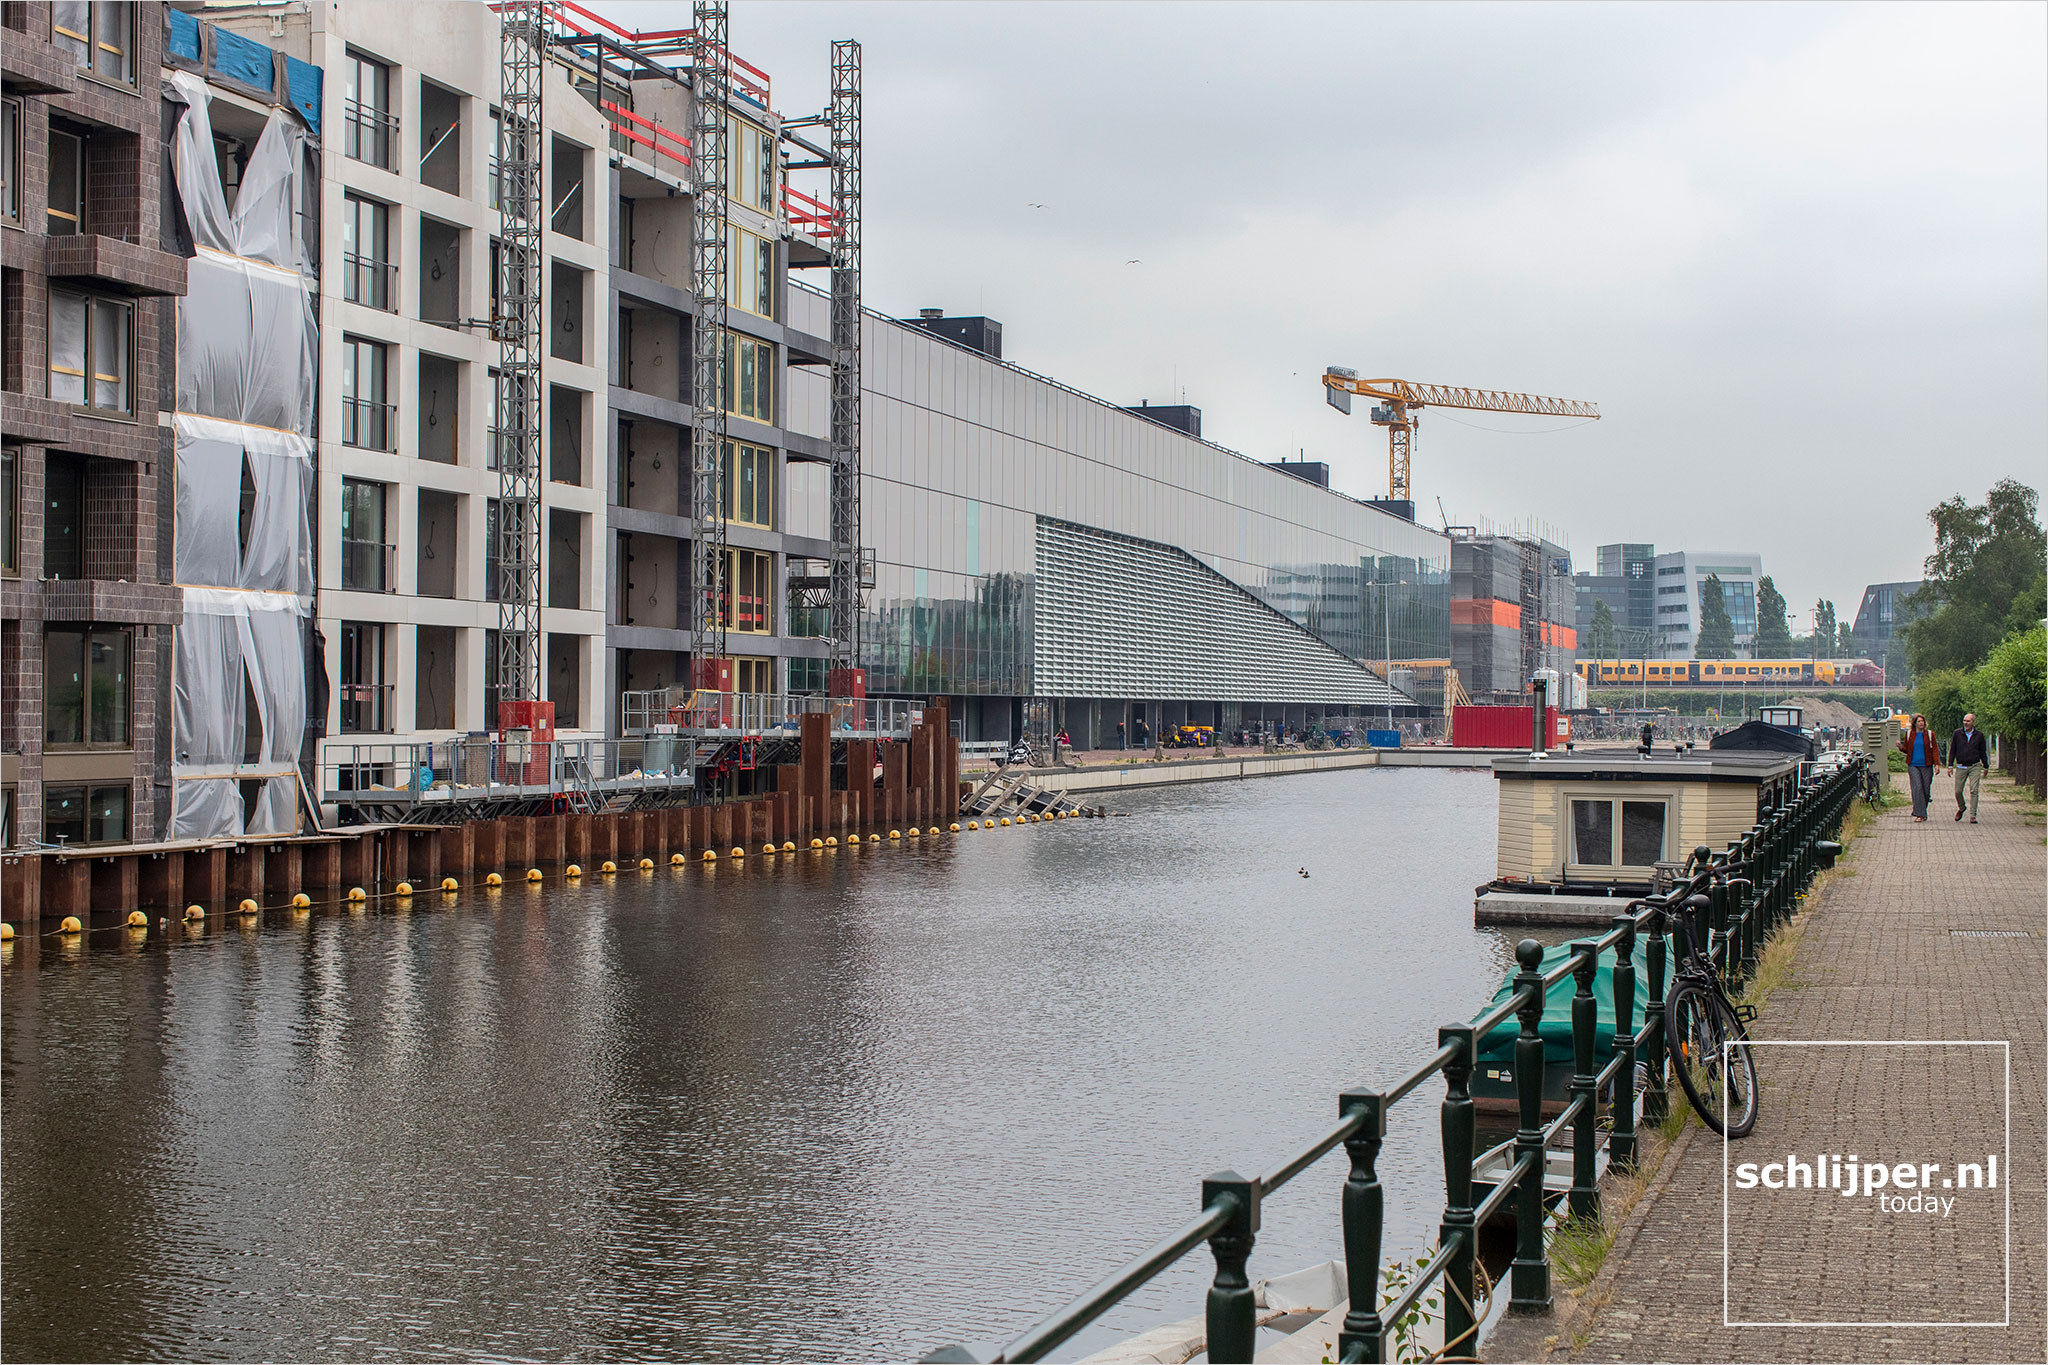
<point>708,181</point>
<point>846,382</point>
<point>523,39</point>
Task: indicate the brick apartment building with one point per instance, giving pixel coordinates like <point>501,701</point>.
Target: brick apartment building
<point>86,610</point>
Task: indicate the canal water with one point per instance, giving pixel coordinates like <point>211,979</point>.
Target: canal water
<point>823,1105</point>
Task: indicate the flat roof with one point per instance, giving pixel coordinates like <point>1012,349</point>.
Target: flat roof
<point>1718,765</point>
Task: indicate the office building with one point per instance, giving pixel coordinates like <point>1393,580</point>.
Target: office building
<point>1681,579</point>
<point>1881,617</point>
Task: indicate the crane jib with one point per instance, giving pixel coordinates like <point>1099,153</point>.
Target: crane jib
<point>1448,396</point>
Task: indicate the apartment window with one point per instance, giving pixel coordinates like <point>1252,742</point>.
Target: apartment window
<point>85,815</point>
<point>85,688</point>
<point>750,269</point>
<point>499,417</point>
<point>367,270</point>
<point>749,378</point>
<point>1609,833</point>
<point>10,512</point>
<point>747,484</point>
<point>754,676</point>
<point>750,162</point>
<point>748,579</point>
<point>10,160</point>
<point>99,36</point>
<point>440,138</point>
<point>66,211</point>
<point>366,558</point>
<point>370,131</point>
<point>366,419</point>
<point>63,516</point>
<point>364,695</point>
<point>91,354</point>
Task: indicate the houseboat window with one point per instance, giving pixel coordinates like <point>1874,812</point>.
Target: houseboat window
<point>1642,832</point>
<point>1593,833</point>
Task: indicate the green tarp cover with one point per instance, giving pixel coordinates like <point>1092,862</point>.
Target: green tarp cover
<point>1498,1045</point>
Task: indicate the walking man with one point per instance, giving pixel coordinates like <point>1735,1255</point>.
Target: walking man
<point>1966,754</point>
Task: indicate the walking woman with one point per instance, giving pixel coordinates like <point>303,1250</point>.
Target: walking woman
<point>1923,761</point>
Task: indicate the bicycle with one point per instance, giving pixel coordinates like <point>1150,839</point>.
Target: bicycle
<point>1705,1037</point>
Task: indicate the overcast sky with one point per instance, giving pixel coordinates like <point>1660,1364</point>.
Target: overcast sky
<point>1797,254</point>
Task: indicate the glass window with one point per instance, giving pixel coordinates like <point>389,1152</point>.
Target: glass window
<point>63,516</point>
<point>10,512</point>
<point>1642,832</point>
<point>86,698</point>
<point>750,268</point>
<point>747,483</point>
<point>363,550</point>
<point>107,815</point>
<point>365,416</point>
<point>369,132</point>
<point>366,252</point>
<point>66,213</point>
<point>748,578</point>
<point>82,327</point>
<point>99,36</point>
<point>749,378</point>
<point>1593,833</point>
<point>10,160</point>
<point>751,166</point>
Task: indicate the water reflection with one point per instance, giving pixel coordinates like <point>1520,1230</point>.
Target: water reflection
<point>838,1104</point>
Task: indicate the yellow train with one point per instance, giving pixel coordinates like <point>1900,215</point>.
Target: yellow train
<point>1716,672</point>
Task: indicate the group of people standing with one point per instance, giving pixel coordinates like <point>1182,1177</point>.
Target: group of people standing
<point>1967,758</point>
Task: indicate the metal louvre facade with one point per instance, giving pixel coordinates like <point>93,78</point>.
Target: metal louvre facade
<point>1121,617</point>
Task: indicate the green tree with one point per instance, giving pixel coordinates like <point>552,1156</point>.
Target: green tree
<point>1717,628</point>
<point>1821,642</point>
<point>1773,636</point>
<point>1944,695</point>
<point>1985,567</point>
<point>1600,635</point>
<point>2011,692</point>
<point>1845,646</point>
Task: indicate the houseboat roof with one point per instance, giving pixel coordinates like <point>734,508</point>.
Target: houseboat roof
<point>1717,765</point>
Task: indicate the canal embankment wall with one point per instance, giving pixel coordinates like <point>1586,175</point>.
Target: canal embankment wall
<point>1232,767</point>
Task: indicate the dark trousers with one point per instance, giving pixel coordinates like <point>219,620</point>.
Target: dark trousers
<point>1922,779</point>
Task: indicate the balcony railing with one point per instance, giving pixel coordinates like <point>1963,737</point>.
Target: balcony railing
<point>680,709</point>
<point>368,566</point>
<point>468,771</point>
<point>368,281</point>
<point>368,424</point>
<point>369,134</point>
<point>365,708</point>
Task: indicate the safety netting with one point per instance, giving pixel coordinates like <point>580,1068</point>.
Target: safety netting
<point>247,350</point>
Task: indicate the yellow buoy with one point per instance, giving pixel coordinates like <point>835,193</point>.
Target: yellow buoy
<point>70,925</point>
<point>895,834</point>
<point>739,853</point>
<point>137,920</point>
<point>301,901</point>
<point>646,864</point>
<point>710,855</point>
<point>1006,820</point>
<point>914,831</point>
<point>675,860</point>
<point>831,841</point>
<point>6,933</point>
<point>493,879</point>
<point>533,874</point>
<point>768,847</point>
<point>248,907</point>
<point>789,845</point>
<point>935,829</point>
<point>355,893</point>
<point>953,828</point>
<point>817,842</point>
<point>572,871</point>
<point>450,884</point>
<point>874,838</point>
<point>608,867</point>
<point>194,912</point>
<point>402,889</point>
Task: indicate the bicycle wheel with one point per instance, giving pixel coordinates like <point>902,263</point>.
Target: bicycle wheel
<point>1710,1053</point>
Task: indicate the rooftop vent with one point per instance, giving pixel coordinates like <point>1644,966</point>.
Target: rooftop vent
<point>1179,416</point>
<point>977,334</point>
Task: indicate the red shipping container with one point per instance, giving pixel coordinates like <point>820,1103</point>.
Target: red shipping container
<point>1503,727</point>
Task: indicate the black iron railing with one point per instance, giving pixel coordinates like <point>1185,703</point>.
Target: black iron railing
<point>1741,894</point>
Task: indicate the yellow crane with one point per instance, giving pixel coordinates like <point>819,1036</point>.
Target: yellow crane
<point>1396,400</point>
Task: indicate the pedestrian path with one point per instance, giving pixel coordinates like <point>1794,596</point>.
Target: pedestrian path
<point>1933,933</point>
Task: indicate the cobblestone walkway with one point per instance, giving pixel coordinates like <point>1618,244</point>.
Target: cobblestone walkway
<point>1893,950</point>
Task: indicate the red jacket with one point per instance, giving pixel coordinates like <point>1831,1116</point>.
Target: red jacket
<point>1933,747</point>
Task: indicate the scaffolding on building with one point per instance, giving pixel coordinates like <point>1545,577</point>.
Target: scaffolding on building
<point>523,44</point>
<point>708,246</point>
<point>849,574</point>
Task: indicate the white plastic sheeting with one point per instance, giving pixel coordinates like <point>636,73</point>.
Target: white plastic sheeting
<point>247,352</point>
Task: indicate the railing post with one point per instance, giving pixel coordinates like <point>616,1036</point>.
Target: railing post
<point>1364,1227</point>
<point>1461,1287</point>
<point>1585,1195</point>
<point>1655,1101</point>
<point>1232,1318</point>
<point>1529,1276</point>
<point>1621,1147</point>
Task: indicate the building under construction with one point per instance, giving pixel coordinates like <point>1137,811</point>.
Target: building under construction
<point>1514,608</point>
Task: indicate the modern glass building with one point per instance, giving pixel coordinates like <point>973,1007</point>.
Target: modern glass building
<point>1034,542</point>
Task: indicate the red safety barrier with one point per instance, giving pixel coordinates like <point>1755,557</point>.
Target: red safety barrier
<point>810,215</point>
<point>757,90</point>
<point>656,139</point>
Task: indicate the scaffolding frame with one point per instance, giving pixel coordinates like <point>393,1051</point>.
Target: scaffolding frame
<point>523,42</point>
<point>709,215</point>
<point>847,567</point>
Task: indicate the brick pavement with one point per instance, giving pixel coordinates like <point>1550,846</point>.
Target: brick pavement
<point>1877,961</point>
